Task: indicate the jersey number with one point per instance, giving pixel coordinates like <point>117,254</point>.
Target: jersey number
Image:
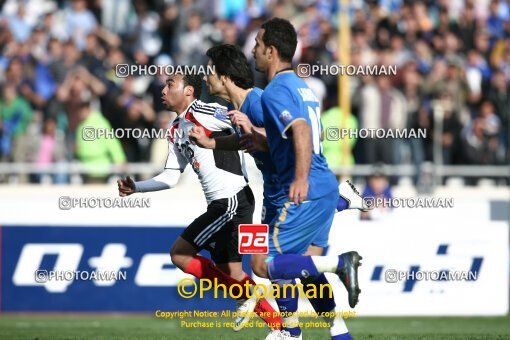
<point>316,129</point>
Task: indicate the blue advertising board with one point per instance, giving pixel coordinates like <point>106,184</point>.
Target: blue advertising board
<point>146,279</point>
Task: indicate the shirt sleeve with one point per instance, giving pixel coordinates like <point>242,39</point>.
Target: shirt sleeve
<point>213,117</point>
<point>175,160</point>
<point>165,180</point>
<point>256,114</point>
<point>281,107</point>
<point>175,164</point>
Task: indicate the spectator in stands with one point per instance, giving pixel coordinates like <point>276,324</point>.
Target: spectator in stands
<point>456,49</point>
<point>19,25</point>
<point>97,154</point>
<point>453,83</point>
<point>195,41</point>
<point>378,186</point>
<point>115,15</point>
<point>80,22</point>
<point>143,30</point>
<point>337,150</point>
<point>499,95</point>
<point>481,136</point>
<point>452,127</point>
<point>382,107</point>
<point>134,113</point>
<point>47,147</point>
<point>78,86</point>
<point>15,115</point>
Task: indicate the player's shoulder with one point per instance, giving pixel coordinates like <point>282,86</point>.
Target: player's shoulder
<point>256,92</point>
<point>254,97</point>
<point>273,90</point>
<point>282,93</point>
<point>199,106</point>
<point>211,116</point>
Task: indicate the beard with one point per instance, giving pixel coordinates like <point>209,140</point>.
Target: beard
<point>260,68</point>
<point>168,106</point>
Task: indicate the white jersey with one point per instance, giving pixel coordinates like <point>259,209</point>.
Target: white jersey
<point>221,173</point>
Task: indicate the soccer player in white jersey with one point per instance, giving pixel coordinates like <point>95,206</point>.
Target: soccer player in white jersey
<point>229,198</point>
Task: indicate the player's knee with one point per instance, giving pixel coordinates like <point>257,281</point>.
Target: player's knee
<point>178,259</point>
<point>181,253</point>
<point>259,268</point>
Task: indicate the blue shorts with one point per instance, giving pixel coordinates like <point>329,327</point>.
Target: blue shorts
<point>269,213</point>
<point>270,209</point>
<point>296,227</point>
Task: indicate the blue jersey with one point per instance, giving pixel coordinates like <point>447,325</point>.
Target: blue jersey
<point>274,196</point>
<point>286,99</point>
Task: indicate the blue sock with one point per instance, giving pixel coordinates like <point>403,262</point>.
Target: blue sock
<point>288,304</point>
<point>324,304</point>
<point>342,204</point>
<point>291,266</point>
<point>293,331</point>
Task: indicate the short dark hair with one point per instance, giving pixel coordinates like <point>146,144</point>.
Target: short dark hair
<point>230,61</point>
<point>281,34</point>
<point>195,81</point>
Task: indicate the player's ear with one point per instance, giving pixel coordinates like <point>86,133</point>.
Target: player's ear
<point>223,80</point>
<point>271,52</point>
<point>188,90</point>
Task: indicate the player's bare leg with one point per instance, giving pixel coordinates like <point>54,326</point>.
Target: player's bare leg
<point>184,256</point>
<point>234,269</point>
<point>259,265</point>
<point>182,253</point>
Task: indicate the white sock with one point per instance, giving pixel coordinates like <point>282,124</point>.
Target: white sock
<point>325,264</point>
<point>338,325</point>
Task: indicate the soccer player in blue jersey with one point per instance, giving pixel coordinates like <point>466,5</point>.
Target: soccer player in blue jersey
<point>293,130</point>
<point>231,83</point>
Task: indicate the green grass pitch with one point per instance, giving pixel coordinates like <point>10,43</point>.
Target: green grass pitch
<point>108,326</point>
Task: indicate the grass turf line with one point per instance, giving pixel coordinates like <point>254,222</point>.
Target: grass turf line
<point>19,326</point>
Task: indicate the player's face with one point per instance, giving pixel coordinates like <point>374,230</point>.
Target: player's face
<point>214,84</point>
<point>173,92</point>
<point>260,53</point>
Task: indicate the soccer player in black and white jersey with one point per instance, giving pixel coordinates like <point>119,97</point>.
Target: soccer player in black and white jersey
<point>230,201</point>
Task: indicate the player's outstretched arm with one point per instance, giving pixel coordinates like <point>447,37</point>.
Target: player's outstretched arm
<point>165,180</point>
<point>198,136</point>
<point>302,142</point>
<point>175,164</point>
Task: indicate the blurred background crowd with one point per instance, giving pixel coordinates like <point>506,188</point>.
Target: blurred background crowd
<point>57,74</point>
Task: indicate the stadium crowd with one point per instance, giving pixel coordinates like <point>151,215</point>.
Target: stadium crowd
<point>58,58</point>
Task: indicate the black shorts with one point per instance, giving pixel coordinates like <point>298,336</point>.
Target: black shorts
<point>216,229</point>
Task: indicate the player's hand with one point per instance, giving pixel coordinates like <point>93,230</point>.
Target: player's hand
<point>240,119</point>
<point>198,136</point>
<point>254,141</point>
<point>126,186</point>
<point>298,190</point>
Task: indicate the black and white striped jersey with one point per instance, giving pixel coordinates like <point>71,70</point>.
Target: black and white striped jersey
<point>221,173</point>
